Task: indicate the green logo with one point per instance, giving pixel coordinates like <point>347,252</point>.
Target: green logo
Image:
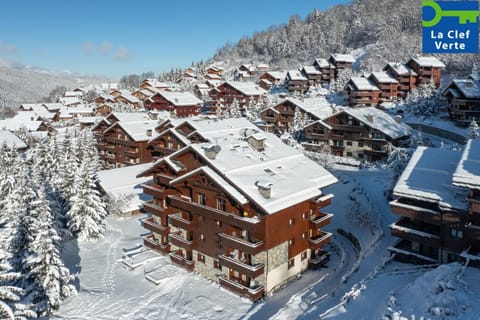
<point>464,16</point>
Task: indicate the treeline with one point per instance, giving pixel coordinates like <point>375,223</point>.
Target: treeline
<point>47,196</point>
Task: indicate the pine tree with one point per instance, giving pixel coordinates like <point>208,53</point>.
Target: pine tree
<point>86,218</point>
<point>235,110</point>
<point>473,130</point>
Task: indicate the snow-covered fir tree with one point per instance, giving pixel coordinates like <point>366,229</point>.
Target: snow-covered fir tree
<point>86,217</point>
<point>46,277</point>
<point>422,101</point>
<point>473,130</point>
<point>234,110</point>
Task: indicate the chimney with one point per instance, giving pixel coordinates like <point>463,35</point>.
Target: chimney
<point>370,117</point>
<point>154,115</point>
<point>398,119</point>
<point>257,141</point>
<point>212,151</point>
<point>149,132</point>
<point>265,188</point>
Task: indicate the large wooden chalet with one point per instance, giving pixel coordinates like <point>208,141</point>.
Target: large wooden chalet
<point>387,84</point>
<point>363,133</point>
<point>341,62</point>
<point>463,98</point>
<point>438,204</point>
<point>280,118</point>
<point>242,92</point>
<point>428,69</point>
<point>297,81</point>
<point>180,104</point>
<point>244,212</point>
<point>406,77</point>
<point>326,68</point>
<point>362,91</point>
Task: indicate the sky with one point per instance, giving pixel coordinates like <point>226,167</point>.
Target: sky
<point>114,38</point>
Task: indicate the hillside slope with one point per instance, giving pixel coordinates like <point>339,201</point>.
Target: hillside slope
<point>390,30</point>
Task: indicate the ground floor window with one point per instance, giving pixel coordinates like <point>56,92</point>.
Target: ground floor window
<point>291,263</point>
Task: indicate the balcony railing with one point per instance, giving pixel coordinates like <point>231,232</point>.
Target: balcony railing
<point>253,294</point>
<point>228,241</point>
<point>320,220</point>
<point>405,230</point>
<point>180,242</point>
<point>155,191</point>
<point>151,243</point>
<point>473,231</point>
<point>251,271</point>
<point>318,260</point>
<point>180,260</point>
<point>319,241</point>
<point>149,224</point>
<point>176,220</point>
<point>153,208</point>
<point>225,217</point>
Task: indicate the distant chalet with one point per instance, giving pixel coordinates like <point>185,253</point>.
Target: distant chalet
<point>463,98</point>
<point>241,208</point>
<point>181,104</point>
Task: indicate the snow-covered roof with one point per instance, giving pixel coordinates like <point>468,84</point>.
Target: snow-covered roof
<point>124,182</point>
<point>278,75</point>
<point>88,120</point>
<point>361,83</point>
<point>202,86</point>
<point>294,177</point>
<point>324,63</point>
<point>429,62</point>
<point>53,106</point>
<point>318,107</point>
<point>380,121</point>
<point>130,116</point>
<point>469,88</point>
<point>128,96</point>
<point>137,130</point>
<point>38,109</point>
<point>343,58</point>
<point>428,177</point>
<point>11,140</point>
<point>180,99</point>
<point>467,173</point>
<point>311,70</point>
<point>14,125</point>
<point>247,88</point>
<point>296,75</point>
<point>26,116</point>
<point>179,136</point>
<point>68,101</point>
<point>383,77</point>
<point>401,69</point>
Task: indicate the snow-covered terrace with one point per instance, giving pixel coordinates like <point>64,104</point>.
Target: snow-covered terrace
<point>467,173</point>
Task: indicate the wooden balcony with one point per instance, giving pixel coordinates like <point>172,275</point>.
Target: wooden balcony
<point>404,229</point>
<point>243,268</point>
<point>320,220</point>
<point>153,190</point>
<point>176,220</point>
<point>227,241</point>
<point>474,205</point>
<point>151,243</point>
<point>222,216</point>
<point>318,260</point>
<point>179,241</point>
<point>473,231</point>
<point>164,150</point>
<point>180,260</point>
<point>149,224</point>
<point>253,294</point>
<point>153,208</point>
<point>317,242</point>
<point>426,215</point>
<point>115,141</point>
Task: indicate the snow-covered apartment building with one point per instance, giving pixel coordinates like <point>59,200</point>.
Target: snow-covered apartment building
<point>241,208</point>
<point>463,98</point>
<point>438,202</point>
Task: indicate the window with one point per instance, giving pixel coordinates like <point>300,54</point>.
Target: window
<point>455,233</point>
<point>170,145</point>
<point>216,264</point>
<point>304,235</point>
<point>291,263</point>
<point>202,237</point>
<point>221,204</point>
<point>360,156</point>
<point>291,242</point>
<point>304,255</point>
<point>201,258</point>
<point>201,218</point>
<point>201,199</point>
<point>291,221</point>
<point>349,143</point>
<point>350,120</point>
<point>219,223</point>
<point>349,154</point>
<point>304,215</point>
<point>360,144</point>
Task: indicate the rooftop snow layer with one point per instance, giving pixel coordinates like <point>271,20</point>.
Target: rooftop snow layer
<point>247,88</point>
<point>319,107</point>
<point>428,62</point>
<point>180,99</point>
<point>468,169</point>
<point>401,69</point>
<point>343,58</point>
<point>361,83</point>
<point>428,177</point>
<point>11,140</point>
<point>384,77</point>
<point>296,75</point>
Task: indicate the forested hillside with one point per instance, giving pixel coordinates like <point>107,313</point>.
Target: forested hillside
<point>386,30</point>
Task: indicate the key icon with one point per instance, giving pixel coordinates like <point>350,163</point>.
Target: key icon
<point>464,16</point>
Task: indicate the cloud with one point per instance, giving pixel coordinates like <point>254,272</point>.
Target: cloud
<point>123,54</point>
<point>7,48</point>
<point>89,47</point>
<point>105,47</point>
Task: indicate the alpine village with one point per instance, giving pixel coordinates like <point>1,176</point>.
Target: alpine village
<point>307,188</point>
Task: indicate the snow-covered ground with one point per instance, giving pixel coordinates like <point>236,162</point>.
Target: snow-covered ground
<point>355,284</point>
